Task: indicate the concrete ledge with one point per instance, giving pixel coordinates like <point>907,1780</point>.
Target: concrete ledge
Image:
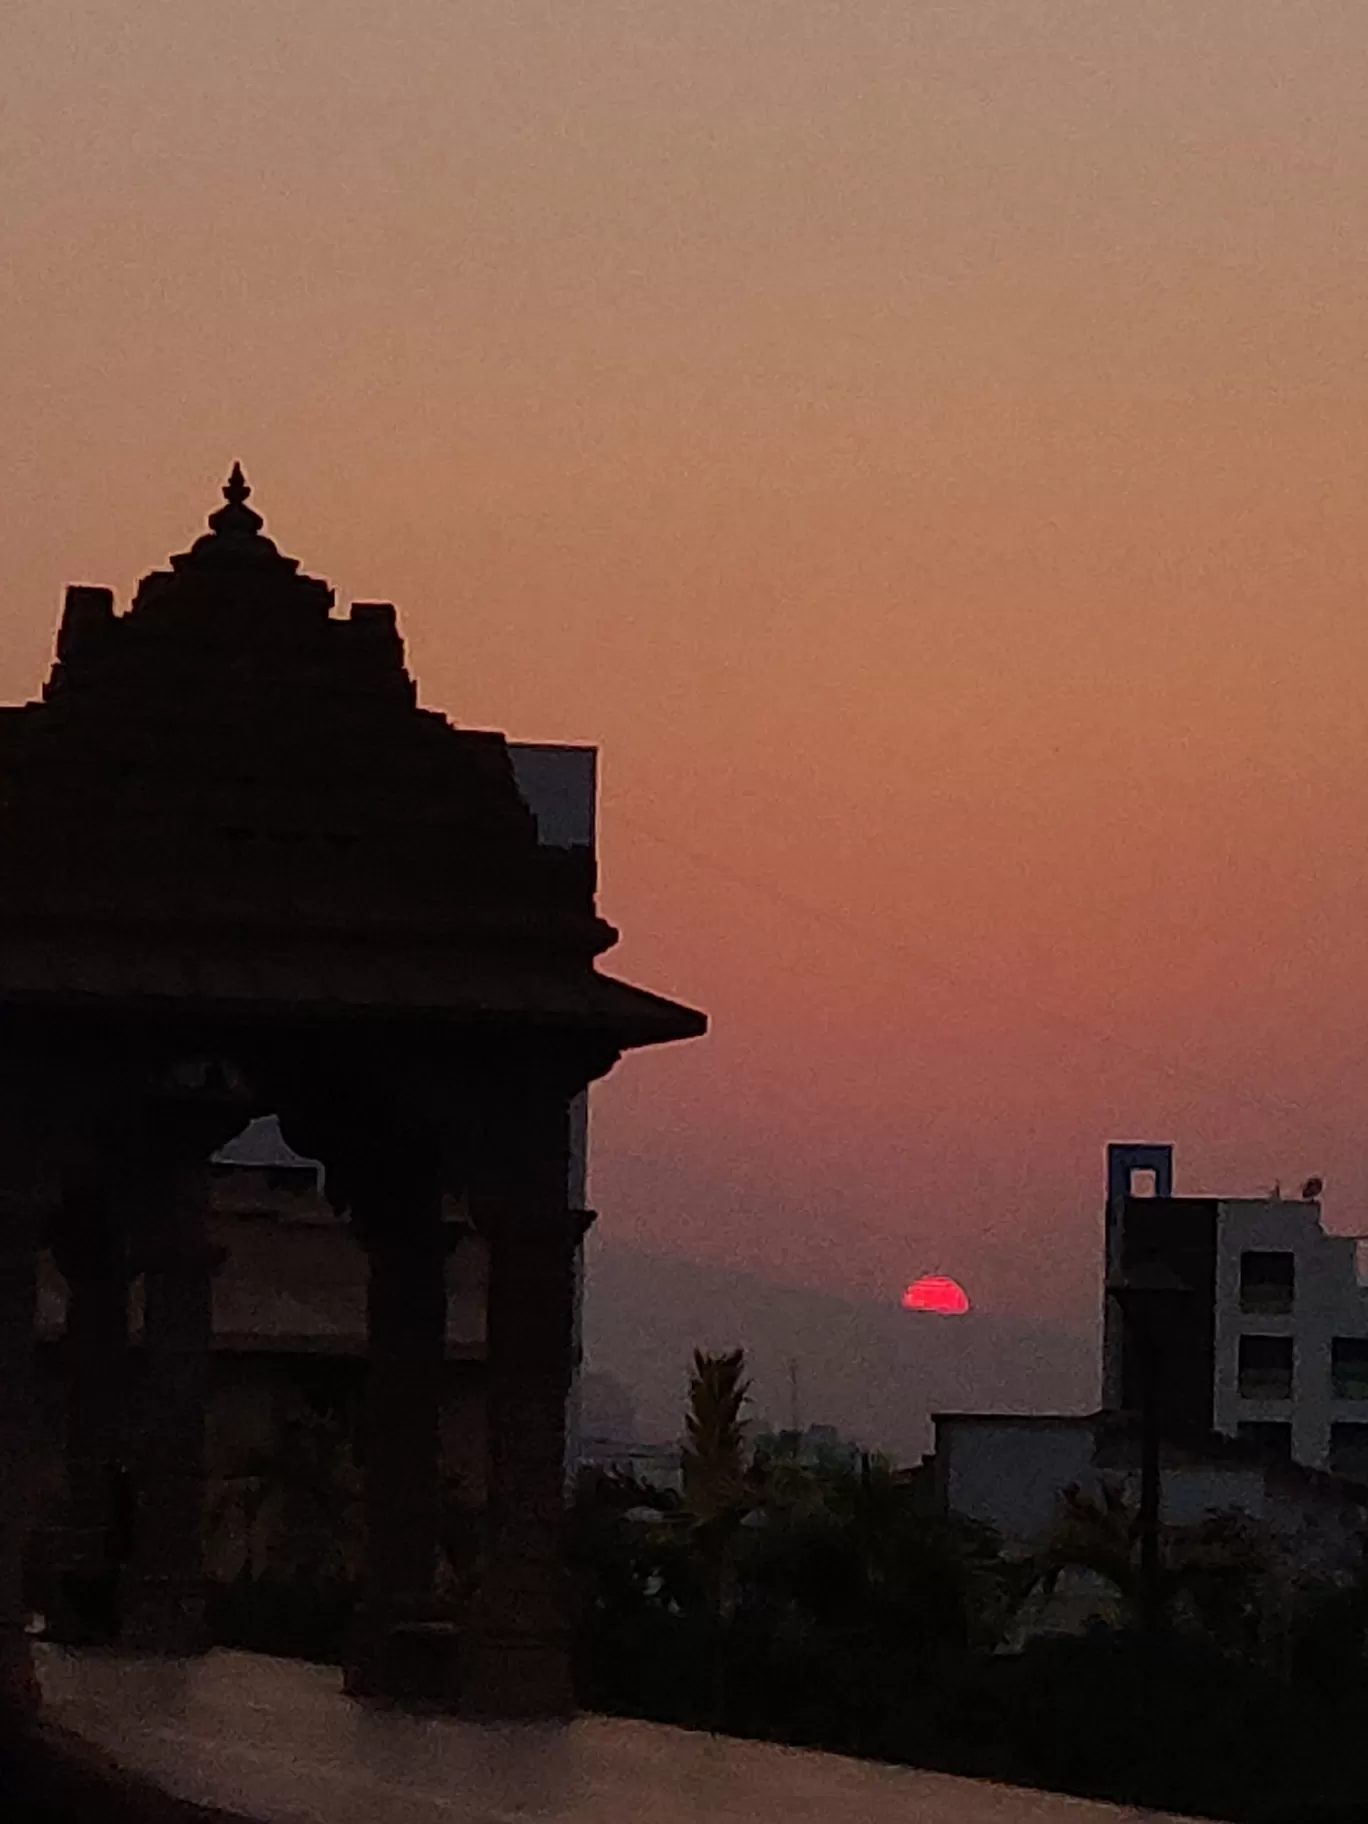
<point>277,1740</point>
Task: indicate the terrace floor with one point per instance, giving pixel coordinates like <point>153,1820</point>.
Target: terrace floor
<point>276,1740</point>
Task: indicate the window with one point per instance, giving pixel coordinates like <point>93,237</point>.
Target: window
<point>1271,1436</point>
<point>1349,1367</point>
<point>1266,1284</point>
<point>1144,1182</point>
<point>1265,1367</point>
<point>1349,1451</point>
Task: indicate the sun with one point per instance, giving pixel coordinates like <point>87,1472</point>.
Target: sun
<point>934,1292</point>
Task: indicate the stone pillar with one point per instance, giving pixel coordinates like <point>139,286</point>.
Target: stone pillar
<point>164,1593</point>
<point>29,1106</point>
<point>20,1214</point>
<point>399,1648</point>
<point>92,1254</point>
<point>518,1657</point>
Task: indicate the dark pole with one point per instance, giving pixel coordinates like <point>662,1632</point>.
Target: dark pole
<point>1152,1298</point>
<point>1150,1606</point>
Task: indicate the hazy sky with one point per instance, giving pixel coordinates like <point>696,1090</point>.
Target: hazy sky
<point>925,445</point>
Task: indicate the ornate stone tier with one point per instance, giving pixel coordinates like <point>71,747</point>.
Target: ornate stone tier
<point>232,761</point>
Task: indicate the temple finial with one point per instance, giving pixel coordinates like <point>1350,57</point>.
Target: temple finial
<point>234,538</point>
<point>236,519</point>
<point>235,489</point>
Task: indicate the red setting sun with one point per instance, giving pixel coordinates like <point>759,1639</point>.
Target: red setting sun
<point>935,1293</point>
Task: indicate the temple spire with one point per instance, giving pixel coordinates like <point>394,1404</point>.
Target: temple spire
<point>235,540</point>
<point>236,516</point>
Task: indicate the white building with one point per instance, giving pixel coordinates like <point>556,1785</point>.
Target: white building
<point>1009,1472</point>
<point>1273,1346</point>
<point>1261,1367</point>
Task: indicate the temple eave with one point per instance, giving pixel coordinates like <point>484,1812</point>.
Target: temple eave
<point>339,982</point>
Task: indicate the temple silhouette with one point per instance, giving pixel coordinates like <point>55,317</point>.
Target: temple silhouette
<point>242,873</point>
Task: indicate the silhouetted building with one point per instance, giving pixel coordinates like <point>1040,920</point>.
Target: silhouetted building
<point>242,872</point>
<point>813,1447</point>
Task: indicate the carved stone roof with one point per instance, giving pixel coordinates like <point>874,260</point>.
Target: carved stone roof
<point>228,794</point>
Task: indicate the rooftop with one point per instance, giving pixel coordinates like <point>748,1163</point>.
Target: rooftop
<point>228,800</point>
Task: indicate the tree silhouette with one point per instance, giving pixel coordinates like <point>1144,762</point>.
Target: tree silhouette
<point>717,1499</point>
<point>1216,1575</point>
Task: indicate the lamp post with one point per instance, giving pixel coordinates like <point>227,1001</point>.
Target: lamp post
<point>1148,1294</point>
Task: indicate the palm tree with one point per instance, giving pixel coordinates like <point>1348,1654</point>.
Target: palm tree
<point>717,1496</point>
<point>1214,1573</point>
<point>714,1430</point>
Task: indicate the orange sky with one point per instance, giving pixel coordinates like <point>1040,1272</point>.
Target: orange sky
<point>925,445</point>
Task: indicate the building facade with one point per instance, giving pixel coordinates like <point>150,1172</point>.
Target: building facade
<point>1259,1352</point>
<point>1270,1341</point>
